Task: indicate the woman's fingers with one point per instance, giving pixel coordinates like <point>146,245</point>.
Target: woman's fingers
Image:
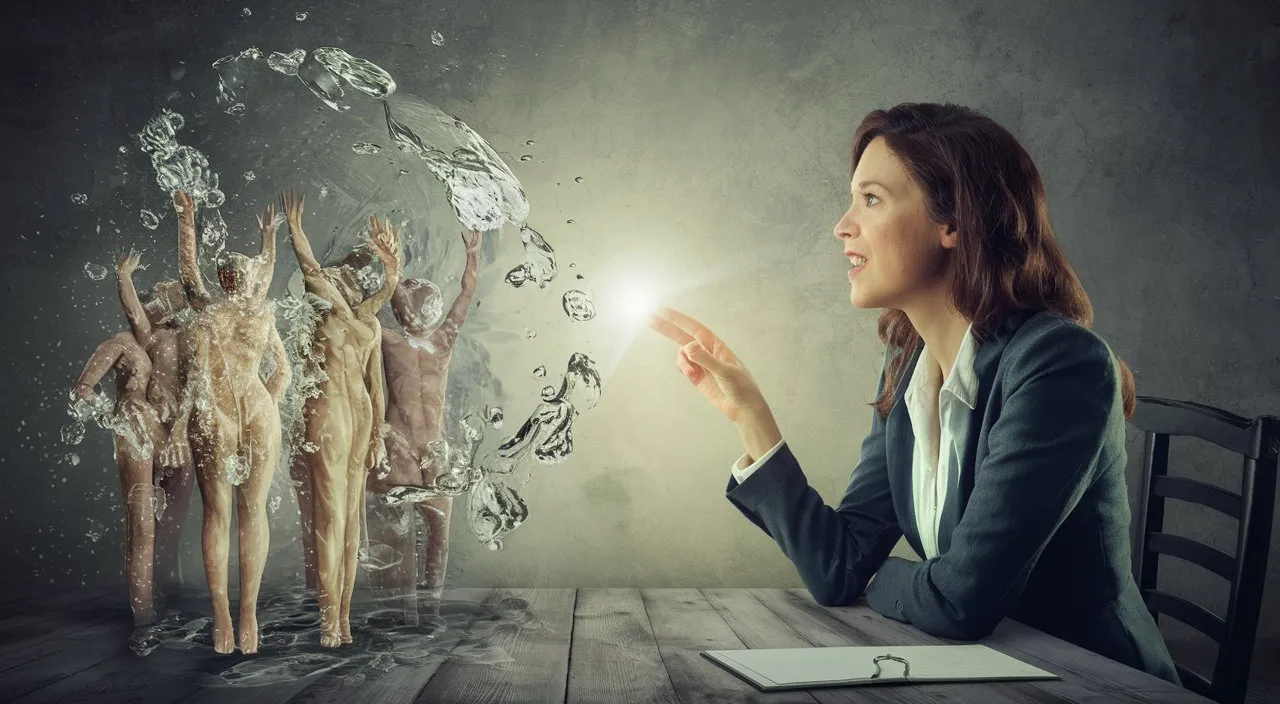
<point>690,329</point>
<point>670,331</point>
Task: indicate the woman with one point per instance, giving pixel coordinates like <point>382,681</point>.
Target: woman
<point>345,423</point>
<point>136,430</point>
<point>997,445</point>
<point>230,416</point>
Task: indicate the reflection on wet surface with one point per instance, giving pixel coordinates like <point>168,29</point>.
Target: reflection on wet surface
<point>180,642</point>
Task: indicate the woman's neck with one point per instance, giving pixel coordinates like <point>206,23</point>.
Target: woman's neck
<point>942,329</point>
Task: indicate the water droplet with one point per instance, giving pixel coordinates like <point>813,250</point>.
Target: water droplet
<point>578,306</point>
<point>287,63</point>
<point>149,220</point>
<point>79,198</point>
<point>365,148</point>
<point>404,172</point>
<point>97,272</point>
<point>124,149</point>
<point>246,12</point>
<point>526,157</point>
<point>578,179</point>
<point>569,221</point>
<point>494,415</point>
<point>529,333</point>
<point>250,176</point>
<point>437,39</point>
<point>362,74</point>
<point>73,433</point>
<point>301,17</point>
<point>529,143</point>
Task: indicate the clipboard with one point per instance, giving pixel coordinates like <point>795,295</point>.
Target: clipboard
<point>776,669</point>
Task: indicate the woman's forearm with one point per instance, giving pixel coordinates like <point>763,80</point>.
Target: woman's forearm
<point>758,430</point>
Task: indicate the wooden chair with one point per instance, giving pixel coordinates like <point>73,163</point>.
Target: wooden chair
<point>1258,440</point>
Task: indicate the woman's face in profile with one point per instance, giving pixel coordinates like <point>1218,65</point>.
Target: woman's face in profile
<point>888,225</point>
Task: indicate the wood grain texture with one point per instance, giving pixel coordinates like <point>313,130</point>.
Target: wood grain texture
<point>684,624</point>
<point>614,654</point>
<point>540,667</point>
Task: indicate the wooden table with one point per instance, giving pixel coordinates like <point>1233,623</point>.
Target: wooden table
<point>608,646</point>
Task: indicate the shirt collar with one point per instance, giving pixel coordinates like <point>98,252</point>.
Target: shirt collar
<point>963,380</point>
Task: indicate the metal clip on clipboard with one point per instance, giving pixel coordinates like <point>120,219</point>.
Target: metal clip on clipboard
<point>906,666</point>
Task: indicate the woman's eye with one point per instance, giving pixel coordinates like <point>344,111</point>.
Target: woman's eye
<point>870,195</point>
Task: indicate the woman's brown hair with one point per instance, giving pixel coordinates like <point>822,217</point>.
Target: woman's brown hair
<point>977,178</point>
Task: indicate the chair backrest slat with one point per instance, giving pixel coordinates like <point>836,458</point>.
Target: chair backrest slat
<point>1257,440</point>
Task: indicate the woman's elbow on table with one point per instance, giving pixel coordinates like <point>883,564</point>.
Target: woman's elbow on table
<point>841,593</point>
<point>973,624</point>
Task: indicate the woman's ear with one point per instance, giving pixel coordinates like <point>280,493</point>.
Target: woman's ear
<point>947,236</point>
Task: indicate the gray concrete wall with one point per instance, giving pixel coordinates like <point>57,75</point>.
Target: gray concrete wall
<point>711,136</point>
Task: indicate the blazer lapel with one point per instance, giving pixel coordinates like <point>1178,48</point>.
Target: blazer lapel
<point>900,443</point>
<point>986,362</point>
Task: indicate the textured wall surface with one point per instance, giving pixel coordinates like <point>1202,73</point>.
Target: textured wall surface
<point>711,138</point>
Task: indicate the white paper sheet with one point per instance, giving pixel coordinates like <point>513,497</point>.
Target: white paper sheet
<point>792,668</point>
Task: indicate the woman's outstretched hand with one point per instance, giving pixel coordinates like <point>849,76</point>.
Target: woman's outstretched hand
<point>710,365</point>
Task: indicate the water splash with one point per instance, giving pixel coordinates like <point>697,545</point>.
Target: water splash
<point>73,434</point>
<point>233,74</point>
<point>580,389</point>
<point>578,306</point>
<point>159,502</point>
<point>97,272</point>
<point>287,64</point>
<point>361,74</point>
<point>289,626</point>
<point>321,82</point>
<point>495,510</point>
<point>539,263</point>
<point>179,166</point>
<point>494,415</point>
<point>298,316</point>
<point>482,190</point>
<point>377,557</point>
<point>235,469</point>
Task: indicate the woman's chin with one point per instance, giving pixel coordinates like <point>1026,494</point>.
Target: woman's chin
<point>860,300</point>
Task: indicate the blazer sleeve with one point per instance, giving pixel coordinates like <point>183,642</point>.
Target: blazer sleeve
<point>1042,452</point>
<point>835,550</point>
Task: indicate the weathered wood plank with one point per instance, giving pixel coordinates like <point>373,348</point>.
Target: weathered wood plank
<point>684,624</point>
<point>72,675</point>
<point>402,683</point>
<point>62,640</point>
<point>32,621</point>
<point>540,651</point>
<point>1084,671</point>
<point>614,657</point>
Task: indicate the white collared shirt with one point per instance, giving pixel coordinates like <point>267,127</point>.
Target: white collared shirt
<point>940,415</point>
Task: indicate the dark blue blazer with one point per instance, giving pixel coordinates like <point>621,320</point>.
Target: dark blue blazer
<point>1035,526</point>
